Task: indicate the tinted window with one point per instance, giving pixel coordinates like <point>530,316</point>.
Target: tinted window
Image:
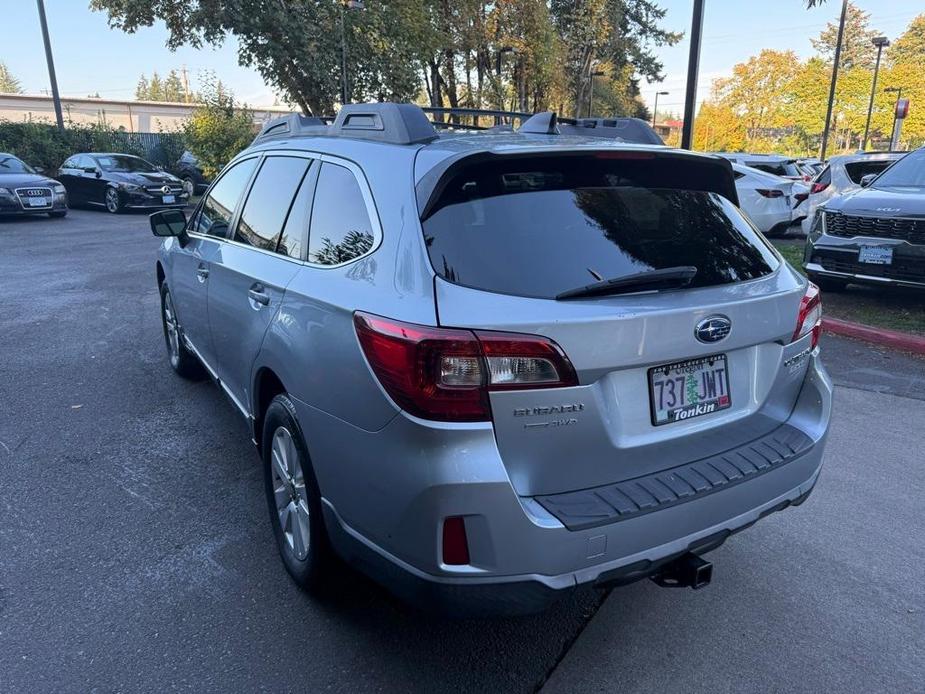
<point>269,200</point>
<point>218,208</point>
<point>858,169</point>
<point>825,176</point>
<point>908,172</point>
<point>556,226</point>
<point>340,228</point>
<point>86,162</point>
<point>13,165</point>
<point>290,243</point>
<point>124,164</point>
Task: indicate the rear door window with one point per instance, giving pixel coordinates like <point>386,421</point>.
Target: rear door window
<point>538,228</point>
<point>219,206</point>
<point>269,200</point>
<point>341,230</point>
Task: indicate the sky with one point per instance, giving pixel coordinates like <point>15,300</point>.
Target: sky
<point>90,57</point>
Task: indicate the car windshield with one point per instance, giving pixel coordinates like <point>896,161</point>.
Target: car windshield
<point>12,165</point>
<point>545,226</point>
<point>125,164</point>
<point>908,172</point>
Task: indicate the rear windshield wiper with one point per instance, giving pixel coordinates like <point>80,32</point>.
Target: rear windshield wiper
<point>651,280</point>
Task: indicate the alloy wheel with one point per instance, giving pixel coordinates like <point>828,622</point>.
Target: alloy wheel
<point>112,199</point>
<point>189,186</point>
<point>172,330</point>
<point>290,493</point>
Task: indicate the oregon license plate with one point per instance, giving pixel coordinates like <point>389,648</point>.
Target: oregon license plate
<point>875,255</point>
<point>688,389</point>
<point>169,199</point>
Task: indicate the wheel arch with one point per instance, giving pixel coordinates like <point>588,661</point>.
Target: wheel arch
<point>267,385</point>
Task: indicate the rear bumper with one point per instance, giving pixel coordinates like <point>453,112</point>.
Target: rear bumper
<point>523,555</point>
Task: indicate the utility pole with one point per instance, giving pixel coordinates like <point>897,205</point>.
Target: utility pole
<point>894,138</point>
<point>655,107</point>
<point>51,66</point>
<point>186,94</point>
<point>693,67</point>
<point>344,6</point>
<point>880,42</point>
<point>828,111</point>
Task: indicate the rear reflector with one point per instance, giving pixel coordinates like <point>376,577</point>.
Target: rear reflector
<point>809,319</point>
<point>446,374</point>
<point>455,544</point>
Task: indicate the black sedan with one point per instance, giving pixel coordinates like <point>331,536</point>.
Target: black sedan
<point>120,181</point>
<point>23,190</point>
<point>189,171</point>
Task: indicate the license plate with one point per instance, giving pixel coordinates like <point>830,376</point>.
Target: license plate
<point>688,389</point>
<point>170,199</point>
<point>38,202</point>
<point>875,255</point>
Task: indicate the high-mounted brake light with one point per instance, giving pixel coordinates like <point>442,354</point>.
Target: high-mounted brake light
<point>446,374</point>
<point>809,319</point>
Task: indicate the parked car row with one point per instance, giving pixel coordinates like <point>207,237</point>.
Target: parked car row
<point>107,180</point>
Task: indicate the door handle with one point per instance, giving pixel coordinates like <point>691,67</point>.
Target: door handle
<point>202,272</point>
<point>258,295</point>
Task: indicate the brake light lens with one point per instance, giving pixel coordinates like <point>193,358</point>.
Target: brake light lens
<point>818,188</point>
<point>770,193</point>
<point>446,374</point>
<point>809,319</point>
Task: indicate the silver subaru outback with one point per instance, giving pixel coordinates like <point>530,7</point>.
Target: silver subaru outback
<point>488,367</point>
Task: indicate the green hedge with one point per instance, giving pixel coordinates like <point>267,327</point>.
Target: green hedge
<point>43,145</point>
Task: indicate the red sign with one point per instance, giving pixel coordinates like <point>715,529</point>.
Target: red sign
<point>902,108</point>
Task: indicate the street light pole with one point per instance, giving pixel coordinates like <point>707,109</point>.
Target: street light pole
<point>880,42</point>
<point>828,111</point>
<point>344,6</point>
<point>596,73</point>
<point>655,107</point>
<point>693,66</point>
<point>51,66</point>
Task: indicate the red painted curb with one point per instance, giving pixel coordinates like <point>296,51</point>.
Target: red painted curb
<point>894,339</point>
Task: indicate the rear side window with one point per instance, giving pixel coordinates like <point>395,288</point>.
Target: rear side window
<point>269,201</point>
<point>825,176</point>
<point>857,170</point>
<point>218,208</point>
<point>340,229</point>
<point>538,228</point>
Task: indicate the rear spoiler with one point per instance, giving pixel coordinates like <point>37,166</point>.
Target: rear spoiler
<point>669,168</point>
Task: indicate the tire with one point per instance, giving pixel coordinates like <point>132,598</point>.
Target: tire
<point>829,284</point>
<point>184,362</point>
<point>58,214</point>
<point>189,185</point>
<point>113,201</point>
<point>293,499</point>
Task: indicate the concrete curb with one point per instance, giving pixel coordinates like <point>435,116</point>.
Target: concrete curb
<point>893,339</point>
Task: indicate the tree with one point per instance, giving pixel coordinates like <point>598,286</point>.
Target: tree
<point>757,89</point>
<point>857,49</point>
<point>218,129</point>
<point>910,46</point>
<point>8,83</point>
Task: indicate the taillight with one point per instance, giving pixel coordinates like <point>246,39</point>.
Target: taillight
<point>818,188</point>
<point>446,374</point>
<point>770,193</point>
<point>809,319</point>
<point>800,197</point>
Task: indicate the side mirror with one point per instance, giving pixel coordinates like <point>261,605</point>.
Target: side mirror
<point>39,169</point>
<point>168,223</point>
<point>89,169</point>
<point>867,180</point>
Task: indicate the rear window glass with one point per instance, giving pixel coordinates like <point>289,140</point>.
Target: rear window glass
<point>543,229</point>
<point>776,168</point>
<point>859,169</point>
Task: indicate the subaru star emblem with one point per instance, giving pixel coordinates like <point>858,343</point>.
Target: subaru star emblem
<point>165,190</point>
<point>713,329</point>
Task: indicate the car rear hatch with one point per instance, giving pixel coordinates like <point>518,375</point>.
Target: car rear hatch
<point>508,235</point>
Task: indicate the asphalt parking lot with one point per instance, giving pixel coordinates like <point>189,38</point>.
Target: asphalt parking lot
<point>135,552</point>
